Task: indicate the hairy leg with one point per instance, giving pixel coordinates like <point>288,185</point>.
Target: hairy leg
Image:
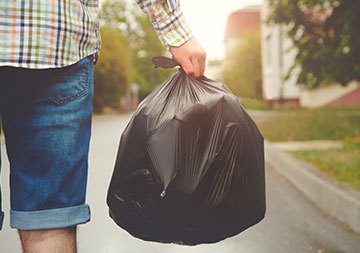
<point>50,240</point>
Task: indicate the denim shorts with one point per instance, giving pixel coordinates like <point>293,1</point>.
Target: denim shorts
<point>46,119</point>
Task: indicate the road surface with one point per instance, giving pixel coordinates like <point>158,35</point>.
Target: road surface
<point>291,224</point>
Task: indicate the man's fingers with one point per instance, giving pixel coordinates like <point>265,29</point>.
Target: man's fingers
<point>188,67</point>
<point>195,64</point>
<point>191,56</point>
<point>202,64</point>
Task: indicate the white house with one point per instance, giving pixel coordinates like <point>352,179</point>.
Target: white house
<point>277,58</point>
<point>276,61</point>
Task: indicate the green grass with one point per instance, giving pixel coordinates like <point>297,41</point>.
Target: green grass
<point>342,163</point>
<point>255,104</point>
<point>322,124</point>
<point>316,124</point>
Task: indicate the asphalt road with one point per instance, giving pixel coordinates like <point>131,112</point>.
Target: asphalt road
<point>292,223</point>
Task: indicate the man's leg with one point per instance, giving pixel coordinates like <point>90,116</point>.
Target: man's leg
<point>61,240</point>
<point>1,212</point>
<point>47,125</point>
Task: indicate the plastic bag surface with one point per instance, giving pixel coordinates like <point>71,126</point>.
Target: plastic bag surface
<point>190,165</point>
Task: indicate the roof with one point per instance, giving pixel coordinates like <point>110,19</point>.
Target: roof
<point>350,99</point>
<point>241,21</point>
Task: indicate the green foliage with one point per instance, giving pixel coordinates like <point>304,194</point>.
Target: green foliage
<point>146,46</point>
<point>113,14</point>
<point>112,72</point>
<point>242,66</point>
<point>325,34</point>
<point>128,43</point>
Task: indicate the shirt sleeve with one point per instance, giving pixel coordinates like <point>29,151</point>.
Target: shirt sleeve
<point>168,21</point>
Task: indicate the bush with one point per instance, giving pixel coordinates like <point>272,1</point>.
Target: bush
<point>112,72</point>
<point>242,66</point>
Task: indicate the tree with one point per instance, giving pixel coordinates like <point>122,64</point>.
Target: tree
<point>128,43</point>
<point>112,72</point>
<point>326,36</point>
<point>242,66</point>
<point>147,45</point>
<point>143,42</point>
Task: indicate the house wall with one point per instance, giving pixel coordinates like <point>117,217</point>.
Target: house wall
<point>276,61</point>
<point>326,95</point>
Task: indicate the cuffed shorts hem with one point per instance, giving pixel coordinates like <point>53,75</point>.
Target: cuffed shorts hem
<point>50,219</point>
<point>1,219</point>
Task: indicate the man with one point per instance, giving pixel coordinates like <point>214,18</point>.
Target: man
<point>47,54</point>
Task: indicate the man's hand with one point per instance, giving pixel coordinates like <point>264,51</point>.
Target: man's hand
<point>191,56</point>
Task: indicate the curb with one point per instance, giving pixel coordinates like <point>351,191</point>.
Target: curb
<point>335,198</point>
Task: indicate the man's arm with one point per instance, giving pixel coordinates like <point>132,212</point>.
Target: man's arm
<point>175,34</point>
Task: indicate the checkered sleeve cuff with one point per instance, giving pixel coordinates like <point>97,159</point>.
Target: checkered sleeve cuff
<point>173,31</point>
<point>168,21</point>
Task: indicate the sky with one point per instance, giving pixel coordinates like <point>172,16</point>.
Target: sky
<point>207,19</point>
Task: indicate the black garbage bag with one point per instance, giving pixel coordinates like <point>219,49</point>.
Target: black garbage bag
<point>190,165</point>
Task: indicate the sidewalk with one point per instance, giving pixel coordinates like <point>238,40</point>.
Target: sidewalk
<point>335,198</point>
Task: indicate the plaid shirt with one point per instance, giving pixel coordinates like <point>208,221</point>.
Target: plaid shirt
<point>53,33</point>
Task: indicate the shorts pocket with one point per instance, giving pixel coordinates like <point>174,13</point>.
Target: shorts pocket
<point>66,84</point>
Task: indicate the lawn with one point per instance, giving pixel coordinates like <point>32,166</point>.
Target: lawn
<point>342,163</point>
<point>316,124</point>
<point>255,104</point>
<point>322,124</point>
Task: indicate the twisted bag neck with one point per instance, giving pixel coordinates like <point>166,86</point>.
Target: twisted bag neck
<point>164,62</point>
